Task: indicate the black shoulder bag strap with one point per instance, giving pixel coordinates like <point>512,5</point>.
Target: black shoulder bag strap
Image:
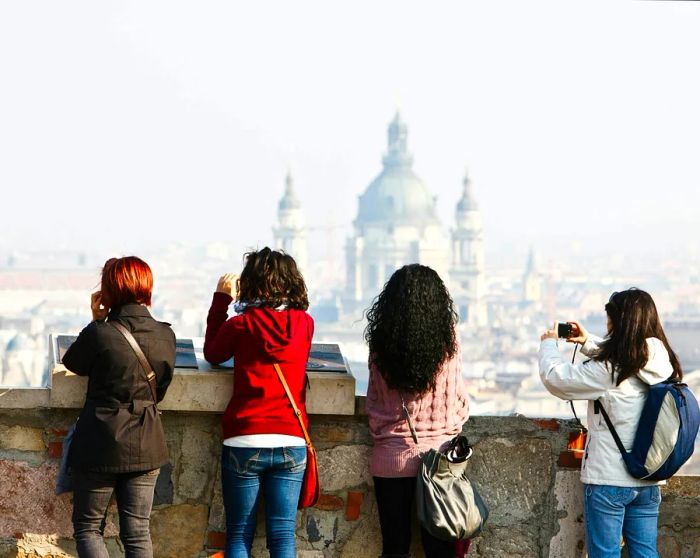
<point>145,365</point>
<point>598,407</point>
<point>412,428</point>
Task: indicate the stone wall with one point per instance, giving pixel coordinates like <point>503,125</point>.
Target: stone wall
<point>521,465</point>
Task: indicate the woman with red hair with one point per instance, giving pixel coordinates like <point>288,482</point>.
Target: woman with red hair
<point>119,445</point>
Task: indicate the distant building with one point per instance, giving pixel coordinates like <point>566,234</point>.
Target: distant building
<point>467,268</point>
<point>290,232</point>
<point>218,251</point>
<point>396,224</point>
<point>23,363</point>
<point>532,282</point>
<point>684,336</point>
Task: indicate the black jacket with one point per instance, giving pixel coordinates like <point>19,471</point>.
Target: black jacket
<point>119,429</point>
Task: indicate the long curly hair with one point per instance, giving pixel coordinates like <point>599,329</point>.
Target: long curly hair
<point>272,277</point>
<point>411,329</point>
<point>634,319</point>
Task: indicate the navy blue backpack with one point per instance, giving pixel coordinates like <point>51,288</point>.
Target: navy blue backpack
<point>666,432</point>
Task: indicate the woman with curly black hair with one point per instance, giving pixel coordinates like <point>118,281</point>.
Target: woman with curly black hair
<point>414,370</point>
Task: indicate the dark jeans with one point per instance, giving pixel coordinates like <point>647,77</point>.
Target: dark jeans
<point>134,494</point>
<point>395,505</point>
<point>246,475</point>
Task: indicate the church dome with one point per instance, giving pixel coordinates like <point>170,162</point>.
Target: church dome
<point>397,195</point>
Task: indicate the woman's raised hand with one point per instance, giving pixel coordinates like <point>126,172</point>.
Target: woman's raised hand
<point>579,334</point>
<point>99,312</point>
<point>550,333</point>
<point>228,284</point>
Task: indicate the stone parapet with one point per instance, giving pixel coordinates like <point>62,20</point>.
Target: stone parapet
<point>206,389</point>
<point>534,500</point>
<point>209,390</point>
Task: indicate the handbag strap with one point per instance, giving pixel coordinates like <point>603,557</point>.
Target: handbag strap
<point>412,428</point>
<point>145,365</point>
<point>414,433</point>
<point>297,412</point>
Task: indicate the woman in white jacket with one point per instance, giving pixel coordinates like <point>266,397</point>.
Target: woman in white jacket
<point>634,355</point>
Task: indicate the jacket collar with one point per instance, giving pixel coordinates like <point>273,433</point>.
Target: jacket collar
<point>129,311</point>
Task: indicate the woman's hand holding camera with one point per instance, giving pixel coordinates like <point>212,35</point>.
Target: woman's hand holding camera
<point>99,312</point>
<point>579,334</point>
<point>229,284</point>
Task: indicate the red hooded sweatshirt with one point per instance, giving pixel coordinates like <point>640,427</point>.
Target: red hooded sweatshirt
<point>256,339</point>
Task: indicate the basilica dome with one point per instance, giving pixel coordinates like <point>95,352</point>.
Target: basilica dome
<point>397,195</point>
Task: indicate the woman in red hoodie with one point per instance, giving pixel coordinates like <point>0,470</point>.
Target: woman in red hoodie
<point>264,451</point>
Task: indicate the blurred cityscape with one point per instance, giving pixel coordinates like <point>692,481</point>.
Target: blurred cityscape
<point>503,304</point>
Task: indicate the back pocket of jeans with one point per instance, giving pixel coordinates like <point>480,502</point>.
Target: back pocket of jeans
<point>241,460</point>
<point>295,458</point>
<point>655,495</point>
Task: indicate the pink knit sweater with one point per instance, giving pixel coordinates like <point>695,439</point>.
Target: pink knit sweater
<point>437,416</point>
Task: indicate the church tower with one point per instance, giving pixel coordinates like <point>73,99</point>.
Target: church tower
<point>467,269</point>
<point>290,232</point>
<point>532,283</point>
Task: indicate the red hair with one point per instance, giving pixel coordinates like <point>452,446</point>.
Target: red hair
<point>126,281</point>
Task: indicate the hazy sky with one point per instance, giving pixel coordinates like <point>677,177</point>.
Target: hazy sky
<point>133,124</point>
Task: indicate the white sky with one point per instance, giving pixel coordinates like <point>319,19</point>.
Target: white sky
<point>132,124</point>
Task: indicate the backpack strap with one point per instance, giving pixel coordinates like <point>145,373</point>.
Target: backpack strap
<point>297,412</point>
<point>145,365</point>
<point>598,407</point>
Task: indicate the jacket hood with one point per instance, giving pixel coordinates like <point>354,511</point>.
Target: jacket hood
<point>658,368</point>
<point>281,334</point>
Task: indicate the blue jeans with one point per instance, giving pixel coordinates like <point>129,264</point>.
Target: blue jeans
<point>613,513</point>
<point>248,473</point>
<point>134,494</point>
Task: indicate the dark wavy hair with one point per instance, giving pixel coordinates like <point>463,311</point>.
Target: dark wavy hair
<point>411,329</point>
<point>273,278</point>
<point>634,319</point>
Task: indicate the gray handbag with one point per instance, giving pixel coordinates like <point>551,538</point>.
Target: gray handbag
<point>449,506</point>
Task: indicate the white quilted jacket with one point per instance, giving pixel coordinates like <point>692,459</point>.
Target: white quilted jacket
<point>591,380</point>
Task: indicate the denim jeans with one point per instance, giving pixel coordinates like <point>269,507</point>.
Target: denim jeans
<point>613,513</point>
<point>134,494</point>
<point>246,475</point>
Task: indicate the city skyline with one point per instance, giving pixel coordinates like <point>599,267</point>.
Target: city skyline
<point>580,155</point>
<point>568,141</point>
